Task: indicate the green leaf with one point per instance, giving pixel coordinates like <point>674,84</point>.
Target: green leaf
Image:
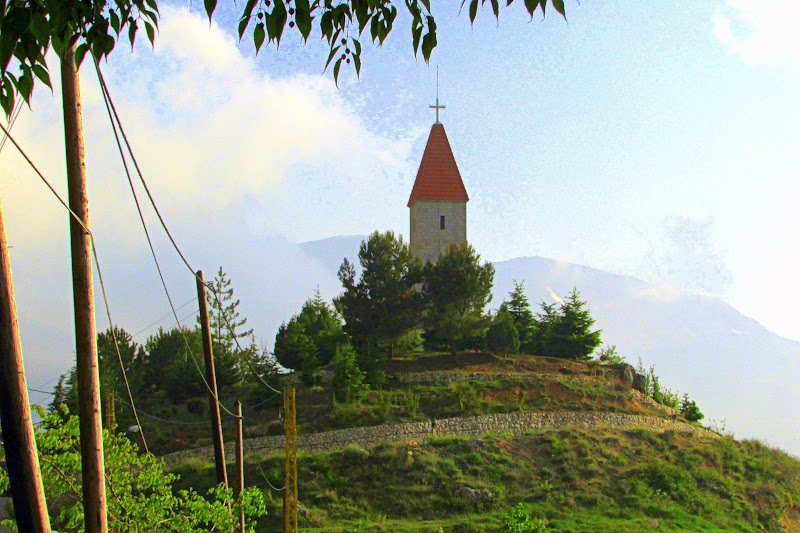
<point>25,87</point>
<point>42,74</point>
<point>40,28</point>
<point>357,45</point>
<point>246,15</point>
<point>428,44</point>
<point>80,52</point>
<point>336,67</point>
<point>15,23</point>
<point>357,63</point>
<point>151,33</point>
<point>330,56</point>
<point>326,24</point>
<point>416,34</point>
<point>132,33</point>
<point>473,12</point>
<point>115,22</point>
<point>210,6</point>
<point>153,5</point>
<point>543,3</point>
<point>496,8</point>
<point>531,6</point>
<point>559,5</point>
<point>302,17</point>
<point>258,36</point>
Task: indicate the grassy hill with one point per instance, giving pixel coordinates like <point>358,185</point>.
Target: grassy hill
<point>578,479</point>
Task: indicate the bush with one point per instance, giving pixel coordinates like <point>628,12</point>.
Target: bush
<point>518,520</point>
<point>689,410</point>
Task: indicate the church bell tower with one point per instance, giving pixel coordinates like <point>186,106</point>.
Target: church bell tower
<point>438,200</point>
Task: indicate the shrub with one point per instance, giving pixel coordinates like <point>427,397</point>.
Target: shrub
<point>518,520</point>
<point>348,381</point>
<point>689,410</point>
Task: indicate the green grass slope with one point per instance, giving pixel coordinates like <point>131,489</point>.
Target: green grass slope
<point>597,479</point>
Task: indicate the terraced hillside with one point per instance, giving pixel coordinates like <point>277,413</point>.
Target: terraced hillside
<point>663,474</point>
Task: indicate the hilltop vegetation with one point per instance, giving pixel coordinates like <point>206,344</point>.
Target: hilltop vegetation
<point>406,342</point>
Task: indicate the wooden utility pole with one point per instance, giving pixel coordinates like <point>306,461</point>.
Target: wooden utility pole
<point>27,492</point>
<point>92,462</point>
<point>290,502</point>
<point>211,381</point>
<point>239,488</point>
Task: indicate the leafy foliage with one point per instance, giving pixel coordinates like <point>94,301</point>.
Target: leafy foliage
<point>608,355</point>
<point>28,28</point>
<point>456,290</point>
<point>140,495</point>
<point>518,520</point>
<point>690,410</point>
<point>323,324</point>
<point>381,306</point>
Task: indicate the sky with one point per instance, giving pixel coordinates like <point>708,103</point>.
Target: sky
<point>655,139</point>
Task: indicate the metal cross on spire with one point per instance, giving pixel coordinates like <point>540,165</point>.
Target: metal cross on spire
<point>437,107</point>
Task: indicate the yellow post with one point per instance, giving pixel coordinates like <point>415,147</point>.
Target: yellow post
<point>290,504</point>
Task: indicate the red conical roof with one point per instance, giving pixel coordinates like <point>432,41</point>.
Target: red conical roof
<point>438,177</point>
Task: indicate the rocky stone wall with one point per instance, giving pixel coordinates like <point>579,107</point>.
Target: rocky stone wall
<point>505,423</point>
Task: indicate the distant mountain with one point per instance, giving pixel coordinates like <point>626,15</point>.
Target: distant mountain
<point>735,369</point>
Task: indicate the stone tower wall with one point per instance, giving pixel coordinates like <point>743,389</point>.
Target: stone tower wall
<point>428,240</point>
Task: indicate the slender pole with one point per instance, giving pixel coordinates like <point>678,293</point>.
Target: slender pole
<point>89,411</point>
<point>27,492</point>
<point>290,504</point>
<point>211,379</point>
<point>239,462</point>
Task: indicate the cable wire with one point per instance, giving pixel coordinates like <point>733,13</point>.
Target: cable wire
<point>270,484</point>
<point>114,117</point>
<point>97,265</point>
<point>15,114</point>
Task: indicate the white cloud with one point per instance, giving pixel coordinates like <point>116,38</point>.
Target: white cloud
<point>759,31</point>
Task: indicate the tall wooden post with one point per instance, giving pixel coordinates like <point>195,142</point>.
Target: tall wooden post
<point>211,379</point>
<point>27,492</point>
<point>92,463</point>
<point>290,503</point>
<point>239,487</point>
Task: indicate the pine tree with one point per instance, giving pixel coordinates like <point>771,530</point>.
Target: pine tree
<point>233,347</point>
<point>456,290</point>
<point>567,330</point>
<point>524,320</point>
<point>503,336</point>
<point>223,315</point>
<point>349,381</point>
<point>381,306</point>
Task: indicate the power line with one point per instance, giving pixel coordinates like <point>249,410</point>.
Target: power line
<point>97,265</point>
<point>11,122</point>
<point>166,316</point>
<point>115,121</point>
<point>41,391</point>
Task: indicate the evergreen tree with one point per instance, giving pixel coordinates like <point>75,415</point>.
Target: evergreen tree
<point>456,290</point>
<point>524,320</point>
<point>323,324</point>
<point>381,306</point>
<point>567,330</point>
<point>349,381</point>
<point>234,347</point>
<point>503,336</point>
<point>294,349</point>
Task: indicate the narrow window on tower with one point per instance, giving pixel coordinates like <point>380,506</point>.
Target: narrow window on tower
<point>441,222</point>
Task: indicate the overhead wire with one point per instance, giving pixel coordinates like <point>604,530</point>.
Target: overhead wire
<point>115,122</point>
<point>97,266</point>
<point>15,114</point>
<point>156,322</point>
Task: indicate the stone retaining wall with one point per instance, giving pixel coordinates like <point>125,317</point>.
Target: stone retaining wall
<point>506,423</point>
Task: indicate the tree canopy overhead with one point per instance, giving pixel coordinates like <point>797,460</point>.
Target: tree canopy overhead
<point>28,28</point>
